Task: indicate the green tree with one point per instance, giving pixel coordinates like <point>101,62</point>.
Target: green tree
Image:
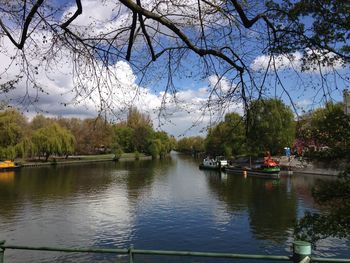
<point>12,130</point>
<point>53,139</point>
<point>335,196</point>
<point>228,137</point>
<point>271,126</point>
<point>190,145</point>
<point>155,148</point>
<point>328,126</point>
<point>122,135</point>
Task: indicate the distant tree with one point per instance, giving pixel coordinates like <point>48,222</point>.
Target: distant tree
<point>271,126</point>
<point>142,135</point>
<point>25,148</point>
<point>190,145</point>
<point>122,135</point>
<point>40,121</point>
<point>228,137</point>
<point>95,134</point>
<point>155,148</point>
<point>137,119</point>
<point>53,139</point>
<point>116,150</point>
<point>164,142</point>
<point>332,126</point>
<point>12,130</point>
<point>328,126</point>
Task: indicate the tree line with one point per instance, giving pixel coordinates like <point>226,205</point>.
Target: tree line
<point>43,136</point>
<point>271,126</point>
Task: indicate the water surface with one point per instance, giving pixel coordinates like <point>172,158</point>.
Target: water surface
<point>165,204</point>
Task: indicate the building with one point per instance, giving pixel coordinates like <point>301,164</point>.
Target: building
<point>346,97</point>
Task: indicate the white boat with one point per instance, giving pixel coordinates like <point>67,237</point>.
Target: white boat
<point>219,163</point>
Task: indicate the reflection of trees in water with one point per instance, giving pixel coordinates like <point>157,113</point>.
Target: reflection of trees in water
<point>38,185</point>
<point>271,206</point>
<point>140,175</point>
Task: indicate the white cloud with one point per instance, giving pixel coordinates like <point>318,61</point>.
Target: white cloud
<point>280,62</point>
<point>186,112</point>
<point>294,61</point>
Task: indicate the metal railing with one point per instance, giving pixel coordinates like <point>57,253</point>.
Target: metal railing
<point>301,253</point>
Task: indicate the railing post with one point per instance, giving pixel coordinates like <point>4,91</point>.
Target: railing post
<point>301,252</point>
<point>2,251</point>
<point>131,255</point>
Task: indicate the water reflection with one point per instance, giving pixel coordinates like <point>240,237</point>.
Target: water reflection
<point>271,206</point>
<point>163,204</point>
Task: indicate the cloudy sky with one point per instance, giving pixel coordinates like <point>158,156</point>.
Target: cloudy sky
<point>187,115</point>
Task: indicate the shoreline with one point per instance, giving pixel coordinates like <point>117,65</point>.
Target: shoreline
<point>81,160</point>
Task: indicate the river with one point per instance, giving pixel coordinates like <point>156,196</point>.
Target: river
<point>164,204</point>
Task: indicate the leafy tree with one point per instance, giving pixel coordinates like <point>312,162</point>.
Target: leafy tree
<point>25,148</point>
<point>155,148</point>
<point>328,126</point>
<point>314,25</point>
<point>190,145</point>
<point>122,135</point>
<point>137,119</point>
<point>53,139</point>
<point>116,150</point>
<point>271,126</point>
<point>12,131</point>
<point>335,196</point>
<point>95,134</point>
<point>40,121</point>
<point>228,137</point>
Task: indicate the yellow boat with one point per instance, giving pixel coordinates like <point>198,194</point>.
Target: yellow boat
<point>8,165</point>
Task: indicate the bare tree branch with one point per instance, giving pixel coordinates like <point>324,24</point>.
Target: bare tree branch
<point>78,12</point>
<point>25,26</point>
<point>166,22</point>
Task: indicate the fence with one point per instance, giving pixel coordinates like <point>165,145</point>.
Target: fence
<point>301,253</point>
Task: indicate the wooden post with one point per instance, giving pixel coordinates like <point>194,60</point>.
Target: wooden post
<point>301,252</point>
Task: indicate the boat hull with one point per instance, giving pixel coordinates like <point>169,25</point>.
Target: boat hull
<point>11,168</point>
<point>208,167</point>
<point>268,174</point>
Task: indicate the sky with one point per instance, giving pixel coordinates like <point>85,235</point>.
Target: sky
<point>187,117</point>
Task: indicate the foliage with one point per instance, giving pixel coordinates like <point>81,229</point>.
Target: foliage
<point>53,139</point>
<point>116,150</point>
<point>170,39</point>
<point>271,126</point>
<point>123,135</point>
<point>12,124</point>
<point>335,195</point>
<point>328,126</point>
<point>312,26</point>
<point>190,145</point>
<point>228,137</point>
<point>12,131</point>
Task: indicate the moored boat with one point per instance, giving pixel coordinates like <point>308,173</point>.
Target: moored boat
<point>262,172</point>
<point>268,168</point>
<point>219,163</point>
<point>8,165</point>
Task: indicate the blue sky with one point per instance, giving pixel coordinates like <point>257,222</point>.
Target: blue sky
<point>189,116</point>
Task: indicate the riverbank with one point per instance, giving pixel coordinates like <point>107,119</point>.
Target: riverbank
<point>303,166</point>
<point>83,159</point>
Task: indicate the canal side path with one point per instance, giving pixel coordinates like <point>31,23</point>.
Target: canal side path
<point>300,165</point>
<point>83,159</point>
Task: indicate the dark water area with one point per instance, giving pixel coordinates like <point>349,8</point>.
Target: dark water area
<point>164,204</point>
